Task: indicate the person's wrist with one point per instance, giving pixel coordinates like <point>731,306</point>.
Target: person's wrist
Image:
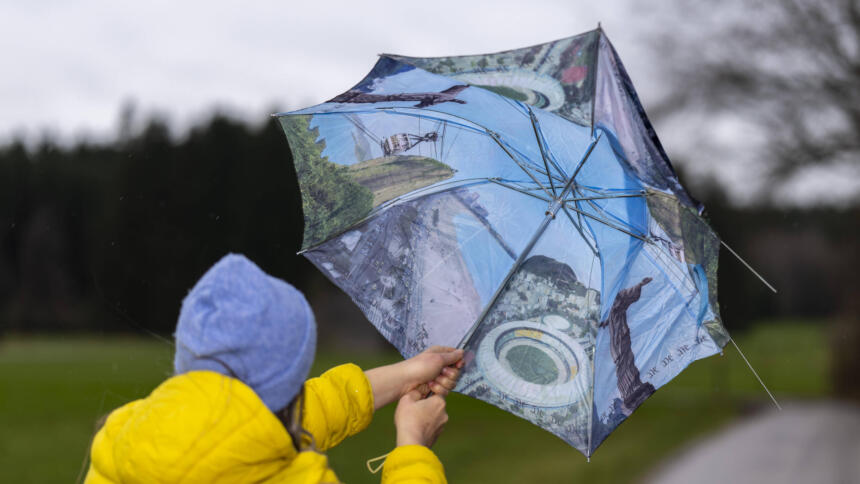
<point>405,437</point>
<point>410,369</point>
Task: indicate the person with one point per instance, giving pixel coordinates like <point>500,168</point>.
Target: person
<point>238,408</point>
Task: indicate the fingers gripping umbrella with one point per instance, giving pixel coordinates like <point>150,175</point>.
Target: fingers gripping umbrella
<point>520,206</point>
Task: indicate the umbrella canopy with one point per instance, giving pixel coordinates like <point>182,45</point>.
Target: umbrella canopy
<point>520,206</point>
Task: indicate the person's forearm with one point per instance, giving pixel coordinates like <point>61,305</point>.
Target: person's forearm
<point>425,371</point>
<point>388,383</point>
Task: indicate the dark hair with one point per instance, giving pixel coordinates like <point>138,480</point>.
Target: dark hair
<point>291,417</point>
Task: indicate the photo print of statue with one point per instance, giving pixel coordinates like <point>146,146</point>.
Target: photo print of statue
<point>633,391</point>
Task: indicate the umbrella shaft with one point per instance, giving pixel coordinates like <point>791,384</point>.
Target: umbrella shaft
<point>553,208</point>
<point>540,230</point>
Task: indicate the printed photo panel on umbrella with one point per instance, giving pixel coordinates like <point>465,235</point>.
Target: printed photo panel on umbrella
<point>617,109</point>
<point>580,78</point>
<point>653,330</point>
<point>423,270</point>
<point>555,76</point>
<point>657,315</point>
<point>532,353</point>
<point>685,236</point>
<point>352,157</point>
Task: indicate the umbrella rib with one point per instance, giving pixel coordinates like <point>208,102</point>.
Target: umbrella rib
<point>531,165</point>
<point>591,405</point>
<point>542,151</point>
<point>554,176</point>
<point>441,262</point>
<point>487,225</point>
<point>564,205</point>
<point>521,187</point>
<point>748,266</point>
<point>581,223</point>
<point>358,124</point>
<point>495,137</point>
<point>451,145</point>
<point>385,205</point>
<point>580,199</point>
<point>395,110</point>
<point>755,373</point>
<point>517,105</point>
<point>430,189</point>
<point>476,128</point>
<point>585,158</point>
<point>609,215</point>
<point>550,216</point>
<point>542,141</point>
<point>609,191</point>
<point>608,224</point>
<point>539,170</point>
<point>525,252</point>
<point>484,130</point>
<point>579,229</point>
<point>497,181</point>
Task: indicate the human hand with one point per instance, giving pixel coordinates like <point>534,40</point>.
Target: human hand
<point>436,370</point>
<point>419,420</point>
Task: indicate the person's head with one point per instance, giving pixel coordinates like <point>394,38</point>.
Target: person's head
<point>239,321</point>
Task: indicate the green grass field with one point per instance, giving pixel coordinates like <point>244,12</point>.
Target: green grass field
<point>52,390</point>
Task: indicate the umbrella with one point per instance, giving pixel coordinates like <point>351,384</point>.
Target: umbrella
<point>518,205</point>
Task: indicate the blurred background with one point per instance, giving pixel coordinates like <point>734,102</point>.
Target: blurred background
<point>136,149</point>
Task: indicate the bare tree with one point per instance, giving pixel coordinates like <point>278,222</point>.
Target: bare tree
<point>790,66</point>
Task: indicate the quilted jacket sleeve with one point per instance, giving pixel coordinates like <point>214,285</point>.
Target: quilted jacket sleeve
<point>413,464</point>
<point>339,403</point>
<point>103,469</point>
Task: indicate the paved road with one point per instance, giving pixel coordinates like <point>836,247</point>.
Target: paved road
<point>809,443</point>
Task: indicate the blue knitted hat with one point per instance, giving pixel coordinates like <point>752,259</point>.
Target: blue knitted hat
<point>241,322</point>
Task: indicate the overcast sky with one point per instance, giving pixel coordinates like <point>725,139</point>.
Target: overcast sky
<point>69,65</point>
<point>75,62</point>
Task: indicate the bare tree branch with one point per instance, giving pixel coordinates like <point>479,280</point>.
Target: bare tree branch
<point>793,66</point>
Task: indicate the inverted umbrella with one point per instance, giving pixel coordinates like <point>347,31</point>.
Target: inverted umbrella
<point>520,206</point>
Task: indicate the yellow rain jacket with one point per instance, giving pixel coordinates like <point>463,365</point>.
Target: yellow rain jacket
<point>205,427</point>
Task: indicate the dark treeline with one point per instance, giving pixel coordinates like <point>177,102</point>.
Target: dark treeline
<point>103,236</point>
<point>111,236</point>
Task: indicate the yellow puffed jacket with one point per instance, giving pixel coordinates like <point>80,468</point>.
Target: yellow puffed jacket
<point>205,427</point>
